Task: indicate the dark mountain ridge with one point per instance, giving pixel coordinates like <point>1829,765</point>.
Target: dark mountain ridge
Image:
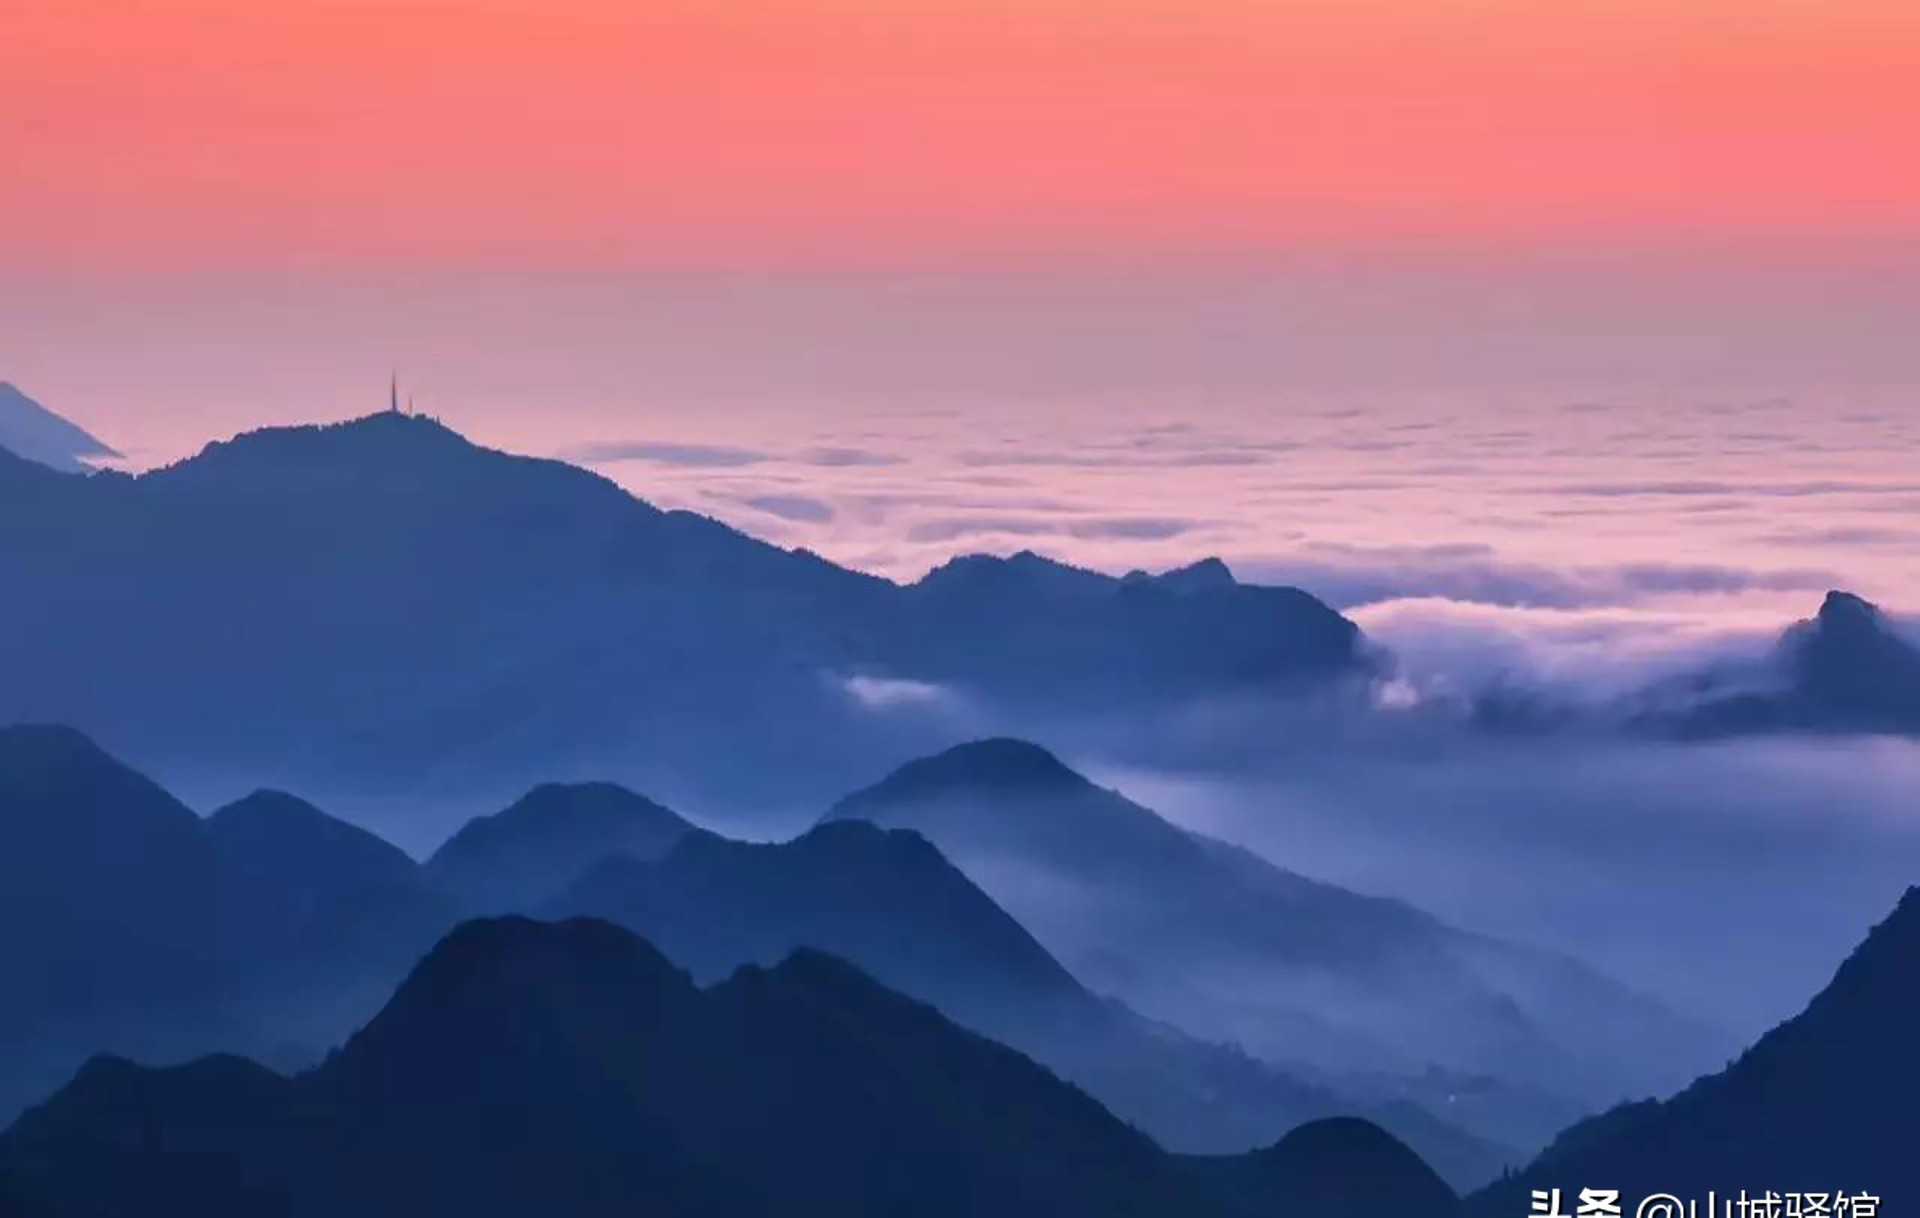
<point>887,901</point>
<point>1822,1102</point>
<point>131,924</point>
<point>569,1069</point>
<point>1327,1169</point>
<point>303,924</point>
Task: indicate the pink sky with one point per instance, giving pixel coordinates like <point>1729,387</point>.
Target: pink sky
<point>935,228</point>
<point>595,133</point>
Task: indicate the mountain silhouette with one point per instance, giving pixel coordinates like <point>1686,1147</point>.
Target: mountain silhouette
<point>519,859</point>
<point>1049,632</point>
<point>1850,670</point>
<point>284,843</point>
<point>300,887</point>
<point>31,431</point>
<point>1820,1103</point>
<point>1336,1168</point>
<point>302,924</point>
<point>130,924</point>
<point>320,919</point>
<point>1847,669</point>
<point>381,606</point>
<point>887,901</point>
<point>109,901</point>
<point>1214,939</point>
<point>570,1070</point>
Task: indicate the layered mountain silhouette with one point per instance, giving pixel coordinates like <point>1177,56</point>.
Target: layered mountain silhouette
<point>1212,938</point>
<point>529,854</point>
<point>1822,1103</point>
<point>1847,669</point>
<point>128,923</point>
<point>31,431</point>
<point>109,890</point>
<point>570,1070</point>
<point>296,925</point>
<point>888,902</point>
<point>383,603</point>
<point>268,927</point>
<point>320,918</point>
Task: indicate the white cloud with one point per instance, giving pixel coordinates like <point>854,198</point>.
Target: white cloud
<point>1455,649</point>
<point>895,693</point>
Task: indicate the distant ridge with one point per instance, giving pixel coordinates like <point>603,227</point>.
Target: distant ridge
<point>1210,937</point>
<point>530,853</point>
<point>30,430</point>
<point>383,607</point>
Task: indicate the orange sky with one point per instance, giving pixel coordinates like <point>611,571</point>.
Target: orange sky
<point>195,133</point>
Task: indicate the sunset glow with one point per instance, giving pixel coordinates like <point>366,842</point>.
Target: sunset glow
<point>856,132</point>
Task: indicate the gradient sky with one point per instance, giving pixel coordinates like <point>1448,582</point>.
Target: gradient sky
<point>188,133</point>
<point>1322,285</point>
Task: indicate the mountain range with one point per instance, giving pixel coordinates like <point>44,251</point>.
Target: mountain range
<point>301,923</point>
<point>570,1069</point>
<point>381,605</point>
<point>283,927</point>
<point>131,924</point>
<point>382,611</point>
<point>889,902</point>
<point>1210,937</point>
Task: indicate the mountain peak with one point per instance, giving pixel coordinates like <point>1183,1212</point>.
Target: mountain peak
<point>1341,1167</point>
<point>1848,668</point>
<point>30,430</point>
<point>989,573</point>
<point>269,804</point>
<point>560,809</point>
<point>485,943</point>
<point>49,740</point>
<point>502,964</point>
<point>1207,574</point>
<point>550,836</point>
<point>1852,663</point>
<point>62,769</point>
<point>999,763</point>
<point>359,437</point>
<point>288,839</point>
<point>1844,609</point>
